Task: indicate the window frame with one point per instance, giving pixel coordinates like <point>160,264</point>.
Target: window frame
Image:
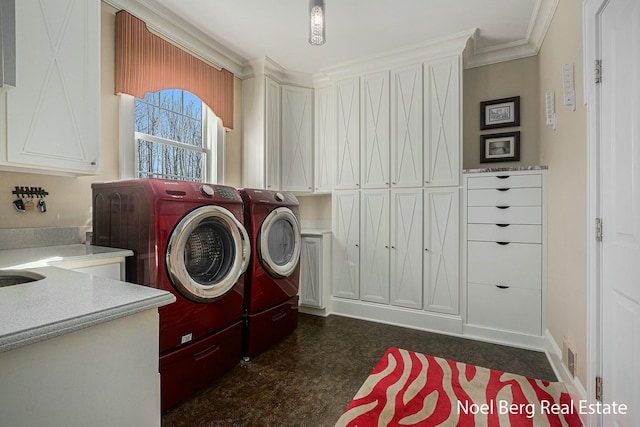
<point>213,136</point>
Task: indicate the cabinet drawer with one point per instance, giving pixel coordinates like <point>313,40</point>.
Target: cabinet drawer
<point>511,309</point>
<point>517,233</point>
<point>515,264</point>
<point>505,197</point>
<point>504,181</point>
<point>504,215</point>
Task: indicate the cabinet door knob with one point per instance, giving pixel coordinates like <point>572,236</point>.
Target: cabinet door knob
<point>426,249</point>
<point>393,247</point>
<point>386,246</point>
<point>356,245</point>
<point>502,286</point>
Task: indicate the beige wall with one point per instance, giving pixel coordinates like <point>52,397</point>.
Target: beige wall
<point>69,201</point>
<point>565,151</point>
<point>503,80</point>
<point>316,208</point>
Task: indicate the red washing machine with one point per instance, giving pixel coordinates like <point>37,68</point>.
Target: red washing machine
<point>273,276</point>
<point>189,239</point>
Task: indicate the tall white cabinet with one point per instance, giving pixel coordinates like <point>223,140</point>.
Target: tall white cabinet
<point>396,216</point>
<point>53,114</point>
<point>278,134</point>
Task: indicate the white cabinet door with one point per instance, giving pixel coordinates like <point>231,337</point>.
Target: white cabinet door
<point>374,148</point>
<point>325,138</point>
<point>348,134</point>
<point>442,248</point>
<point>346,241</point>
<point>374,247</point>
<point>442,160</point>
<point>53,114</point>
<point>272,134</point>
<point>406,247</point>
<point>311,271</point>
<point>406,127</point>
<point>297,139</point>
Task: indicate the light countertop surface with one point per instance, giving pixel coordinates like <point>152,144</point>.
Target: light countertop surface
<point>65,301</point>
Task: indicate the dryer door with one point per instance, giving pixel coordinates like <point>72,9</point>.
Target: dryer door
<point>208,251</point>
<point>279,242</point>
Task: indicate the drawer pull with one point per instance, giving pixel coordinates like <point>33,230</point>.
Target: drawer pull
<point>502,189</point>
<point>502,176</point>
<point>503,243</point>
<point>206,352</point>
<point>502,207</point>
<point>502,225</point>
<point>278,316</point>
<point>502,287</point>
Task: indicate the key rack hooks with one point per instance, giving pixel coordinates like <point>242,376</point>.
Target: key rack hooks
<point>30,192</point>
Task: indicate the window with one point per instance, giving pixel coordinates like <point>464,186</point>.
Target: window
<point>171,134</point>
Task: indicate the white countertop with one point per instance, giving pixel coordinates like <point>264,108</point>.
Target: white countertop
<point>50,255</point>
<point>65,300</point>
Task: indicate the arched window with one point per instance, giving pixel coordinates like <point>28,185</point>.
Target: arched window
<point>175,136</point>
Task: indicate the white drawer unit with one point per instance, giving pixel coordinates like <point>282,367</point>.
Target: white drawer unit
<point>505,254</point>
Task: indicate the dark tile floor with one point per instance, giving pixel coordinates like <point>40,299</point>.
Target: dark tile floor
<point>309,378</point>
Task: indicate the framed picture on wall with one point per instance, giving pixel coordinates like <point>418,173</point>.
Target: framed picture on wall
<point>500,113</point>
<point>500,147</point>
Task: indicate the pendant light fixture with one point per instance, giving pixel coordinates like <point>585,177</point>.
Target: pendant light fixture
<point>316,23</point>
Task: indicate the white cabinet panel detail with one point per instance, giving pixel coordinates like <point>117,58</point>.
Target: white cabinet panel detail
<point>311,272</point>
<point>272,134</point>
<point>406,248</point>
<point>53,114</point>
<point>406,127</point>
<point>297,142</point>
<point>441,254</point>
<point>325,139</point>
<point>346,251</point>
<point>374,152</point>
<point>374,248</point>
<point>442,122</point>
<point>348,128</point>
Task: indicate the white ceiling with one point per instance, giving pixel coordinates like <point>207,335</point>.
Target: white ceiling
<point>278,29</point>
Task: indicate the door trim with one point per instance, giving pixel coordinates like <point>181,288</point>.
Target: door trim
<point>592,9</point>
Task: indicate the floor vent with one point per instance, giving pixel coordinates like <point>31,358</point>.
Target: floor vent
<point>569,358</point>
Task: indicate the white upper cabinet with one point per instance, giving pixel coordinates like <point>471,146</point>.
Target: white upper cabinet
<point>374,148</point>
<point>348,135</point>
<point>406,127</point>
<point>346,242</point>
<point>272,134</point>
<point>441,250</point>
<point>442,160</point>
<point>325,138</point>
<point>53,114</point>
<point>375,246</point>
<point>297,139</point>
<point>406,247</point>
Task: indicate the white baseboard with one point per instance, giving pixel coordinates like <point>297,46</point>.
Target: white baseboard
<point>322,312</point>
<point>415,319</point>
<point>512,339</point>
<point>574,386</point>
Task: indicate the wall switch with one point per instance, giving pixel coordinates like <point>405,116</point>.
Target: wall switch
<point>550,108</point>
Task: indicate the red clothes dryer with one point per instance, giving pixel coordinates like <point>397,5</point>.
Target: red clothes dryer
<point>189,239</point>
<point>271,284</point>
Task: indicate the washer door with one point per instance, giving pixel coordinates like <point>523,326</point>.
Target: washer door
<point>208,251</point>
<point>279,242</point>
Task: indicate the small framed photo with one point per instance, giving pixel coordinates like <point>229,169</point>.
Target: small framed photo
<point>500,147</point>
<point>500,113</point>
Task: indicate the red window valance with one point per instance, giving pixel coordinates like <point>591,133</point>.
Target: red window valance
<point>146,62</point>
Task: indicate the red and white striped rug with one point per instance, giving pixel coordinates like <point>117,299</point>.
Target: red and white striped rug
<point>413,389</point>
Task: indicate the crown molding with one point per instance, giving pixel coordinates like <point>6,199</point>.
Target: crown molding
<point>454,44</point>
<point>529,46</point>
<point>166,24</point>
